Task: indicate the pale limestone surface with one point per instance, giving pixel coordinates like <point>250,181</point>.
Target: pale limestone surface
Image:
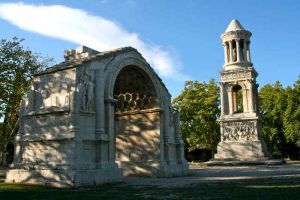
<point>241,126</point>
<point>95,117</point>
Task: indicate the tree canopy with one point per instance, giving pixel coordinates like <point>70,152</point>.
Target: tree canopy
<point>17,66</point>
<point>198,105</point>
<point>280,110</point>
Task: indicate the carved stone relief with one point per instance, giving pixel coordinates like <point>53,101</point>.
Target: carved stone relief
<point>86,89</point>
<point>236,75</point>
<point>51,92</point>
<point>238,131</point>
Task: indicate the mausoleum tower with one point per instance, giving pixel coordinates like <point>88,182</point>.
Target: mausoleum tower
<point>239,121</point>
<point>236,42</point>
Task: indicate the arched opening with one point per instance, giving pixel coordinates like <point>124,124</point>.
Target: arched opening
<point>134,91</point>
<point>137,121</point>
<point>237,99</point>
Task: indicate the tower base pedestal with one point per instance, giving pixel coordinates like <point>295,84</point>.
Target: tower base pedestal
<point>242,151</point>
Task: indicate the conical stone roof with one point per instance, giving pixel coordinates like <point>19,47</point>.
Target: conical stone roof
<point>234,26</point>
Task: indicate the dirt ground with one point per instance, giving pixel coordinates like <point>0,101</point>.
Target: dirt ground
<point>200,173</point>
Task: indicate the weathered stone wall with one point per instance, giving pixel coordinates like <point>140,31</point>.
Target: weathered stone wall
<point>50,154</point>
<point>137,141</point>
<point>45,121</point>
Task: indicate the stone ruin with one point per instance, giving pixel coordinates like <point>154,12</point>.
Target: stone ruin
<point>96,117</point>
<point>101,115</point>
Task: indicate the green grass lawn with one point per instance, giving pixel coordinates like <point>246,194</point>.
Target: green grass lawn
<point>249,189</point>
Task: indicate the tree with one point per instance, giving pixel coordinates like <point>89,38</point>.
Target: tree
<point>272,106</point>
<point>198,105</point>
<point>280,110</point>
<point>291,119</point>
<point>17,66</point>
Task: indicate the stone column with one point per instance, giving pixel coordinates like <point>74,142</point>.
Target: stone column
<point>238,50</point>
<point>74,128</point>
<point>222,131</point>
<point>74,110</point>
<point>163,140</point>
<point>234,102</point>
<point>230,52</point>
<point>245,51</point>
<point>222,98</point>
<point>251,99</point>
<point>99,101</point>
<point>179,141</point>
<point>225,52</point>
<point>166,134</point>
<point>248,52</point>
<point>100,135</point>
<point>110,129</point>
<point>230,102</point>
<point>245,100</point>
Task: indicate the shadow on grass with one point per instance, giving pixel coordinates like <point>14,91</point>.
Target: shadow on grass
<point>248,189</point>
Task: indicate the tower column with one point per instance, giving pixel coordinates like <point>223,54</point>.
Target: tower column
<point>230,52</point>
<point>230,103</point>
<point>248,51</point>
<point>245,51</point>
<point>245,100</point>
<point>222,99</point>
<point>225,52</point>
<point>238,50</point>
<point>251,99</point>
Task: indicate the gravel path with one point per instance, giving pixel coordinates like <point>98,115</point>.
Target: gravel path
<point>202,174</point>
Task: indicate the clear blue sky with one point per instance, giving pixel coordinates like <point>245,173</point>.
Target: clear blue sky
<point>189,31</point>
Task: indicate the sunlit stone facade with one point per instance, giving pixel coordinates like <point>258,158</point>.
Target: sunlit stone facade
<point>241,137</point>
<point>96,117</point>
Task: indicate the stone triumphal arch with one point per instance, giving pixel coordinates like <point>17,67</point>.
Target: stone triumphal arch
<point>96,117</point>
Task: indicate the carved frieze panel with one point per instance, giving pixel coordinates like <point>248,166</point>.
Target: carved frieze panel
<point>236,75</point>
<point>52,91</point>
<point>239,130</point>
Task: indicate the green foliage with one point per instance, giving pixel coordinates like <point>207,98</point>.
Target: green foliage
<point>198,105</point>
<point>291,116</point>
<point>17,65</point>
<point>280,110</point>
<point>272,107</point>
